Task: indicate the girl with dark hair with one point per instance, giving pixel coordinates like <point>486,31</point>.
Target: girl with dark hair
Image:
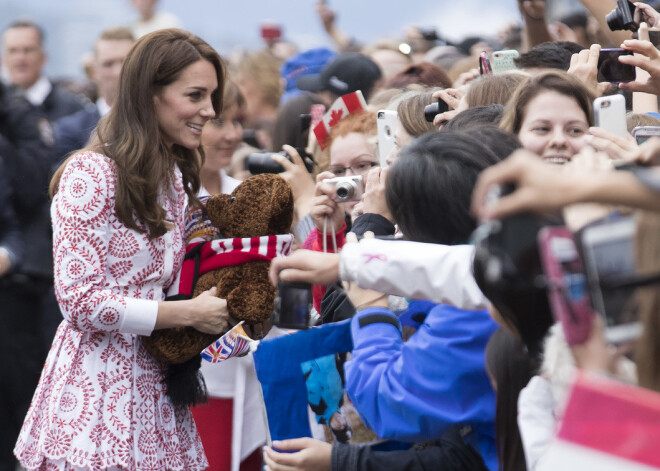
<point>118,213</point>
<point>510,369</point>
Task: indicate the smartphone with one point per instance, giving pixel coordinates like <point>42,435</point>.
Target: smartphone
<point>610,114</point>
<point>484,64</point>
<point>608,253</point>
<point>568,292</point>
<point>386,122</point>
<point>613,71</point>
<point>644,133</point>
<point>294,305</point>
<point>503,60</point>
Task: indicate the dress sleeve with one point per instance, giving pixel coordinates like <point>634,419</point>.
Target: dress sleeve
<point>82,228</point>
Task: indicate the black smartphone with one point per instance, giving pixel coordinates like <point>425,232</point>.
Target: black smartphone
<point>613,71</point>
<point>294,306</point>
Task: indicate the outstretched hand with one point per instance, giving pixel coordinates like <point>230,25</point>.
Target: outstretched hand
<point>312,455</point>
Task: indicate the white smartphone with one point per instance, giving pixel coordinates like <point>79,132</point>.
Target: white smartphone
<point>503,60</point>
<point>386,122</point>
<point>610,114</point>
<point>644,133</point>
<point>608,252</point>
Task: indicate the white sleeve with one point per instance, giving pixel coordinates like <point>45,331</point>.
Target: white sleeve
<point>536,420</point>
<point>439,273</point>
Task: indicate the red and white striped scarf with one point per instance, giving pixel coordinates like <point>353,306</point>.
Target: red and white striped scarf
<point>225,253</point>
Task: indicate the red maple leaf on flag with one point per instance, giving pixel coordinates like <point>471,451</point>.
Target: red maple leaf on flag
<point>335,117</point>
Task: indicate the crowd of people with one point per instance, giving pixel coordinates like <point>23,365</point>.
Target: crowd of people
<point>462,355</point>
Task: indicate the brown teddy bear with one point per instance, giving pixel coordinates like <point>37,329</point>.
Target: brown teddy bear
<point>254,223</point>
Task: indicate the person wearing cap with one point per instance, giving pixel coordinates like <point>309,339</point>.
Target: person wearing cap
<point>304,63</point>
<point>346,73</point>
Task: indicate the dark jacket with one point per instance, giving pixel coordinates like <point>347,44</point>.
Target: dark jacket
<point>60,103</point>
<point>73,131</point>
<point>10,236</point>
<point>450,453</point>
<point>25,135</point>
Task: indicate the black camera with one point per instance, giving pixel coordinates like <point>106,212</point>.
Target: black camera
<point>261,162</point>
<point>293,305</point>
<point>622,17</point>
<point>430,111</point>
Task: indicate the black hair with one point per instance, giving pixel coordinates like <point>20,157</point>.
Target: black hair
<point>552,55</point>
<point>510,369</point>
<point>506,267</point>
<point>500,142</point>
<point>477,116</point>
<point>287,128</point>
<point>429,187</point>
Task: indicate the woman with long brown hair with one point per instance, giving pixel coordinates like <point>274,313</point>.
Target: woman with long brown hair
<point>118,212</point>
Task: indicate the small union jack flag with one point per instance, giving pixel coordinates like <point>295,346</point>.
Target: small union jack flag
<point>233,343</point>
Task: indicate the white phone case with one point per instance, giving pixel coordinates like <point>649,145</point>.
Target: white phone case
<point>610,114</point>
<point>503,60</point>
<point>386,126</point>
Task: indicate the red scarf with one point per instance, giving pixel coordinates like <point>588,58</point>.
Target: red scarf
<point>225,253</point>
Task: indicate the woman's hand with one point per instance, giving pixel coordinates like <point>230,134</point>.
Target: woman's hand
<point>324,204</point>
<point>539,186</point>
<point>616,148</point>
<point>296,174</point>
<point>648,153</point>
<point>584,66</point>
<point>306,266</point>
<point>209,313</point>
<point>645,13</point>
<point>313,455</point>
<point>374,194</point>
<point>647,58</point>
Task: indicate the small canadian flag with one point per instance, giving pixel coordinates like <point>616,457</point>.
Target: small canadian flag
<point>342,107</point>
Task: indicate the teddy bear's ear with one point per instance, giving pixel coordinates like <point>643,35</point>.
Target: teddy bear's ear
<point>217,207</point>
<point>282,200</point>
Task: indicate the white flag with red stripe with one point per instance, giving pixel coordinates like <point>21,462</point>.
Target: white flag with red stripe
<point>607,425</point>
<point>342,107</point>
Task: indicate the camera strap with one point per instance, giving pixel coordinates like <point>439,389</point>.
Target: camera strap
<point>325,234</point>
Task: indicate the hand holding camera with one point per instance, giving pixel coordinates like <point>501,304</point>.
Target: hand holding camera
<point>324,203</point>
<point>374,194</point>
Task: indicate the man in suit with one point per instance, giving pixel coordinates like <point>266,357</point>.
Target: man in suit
<point>72,132</point>
<point>24,57</point>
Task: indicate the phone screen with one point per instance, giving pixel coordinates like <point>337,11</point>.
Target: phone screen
<point>567,288</point>
<point>608,252</point>
<point>295,305</point>
<point>613,71</point>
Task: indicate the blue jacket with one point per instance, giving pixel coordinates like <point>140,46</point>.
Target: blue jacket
<point>414,391</point>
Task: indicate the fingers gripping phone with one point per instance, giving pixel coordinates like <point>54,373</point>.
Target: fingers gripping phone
<point>610,114</point>
<point>567,285</point>
<point>386,122</point>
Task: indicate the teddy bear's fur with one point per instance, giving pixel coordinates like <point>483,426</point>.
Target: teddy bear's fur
<point>261,205</point>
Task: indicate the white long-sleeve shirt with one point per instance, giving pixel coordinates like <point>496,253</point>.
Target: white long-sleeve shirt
<point>439,273</point>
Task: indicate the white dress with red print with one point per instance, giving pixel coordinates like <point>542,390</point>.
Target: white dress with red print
<point>101,403</point>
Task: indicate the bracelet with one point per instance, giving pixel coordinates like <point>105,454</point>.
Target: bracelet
<point>366,304</point>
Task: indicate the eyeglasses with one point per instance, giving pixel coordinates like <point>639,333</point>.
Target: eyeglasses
<point>358,168</point>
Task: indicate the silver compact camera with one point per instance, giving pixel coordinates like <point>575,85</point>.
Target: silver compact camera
<point>347,188</point>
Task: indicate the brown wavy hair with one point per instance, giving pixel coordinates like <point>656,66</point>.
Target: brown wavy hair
<point>130,133</point>
<point>554,81</point>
